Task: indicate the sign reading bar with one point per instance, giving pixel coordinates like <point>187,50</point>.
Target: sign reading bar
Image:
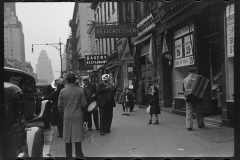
<point>96,59</point>
<point>169,9</point>
<point>116,31</point>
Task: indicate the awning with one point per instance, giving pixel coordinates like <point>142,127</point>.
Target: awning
<point>142,39</point>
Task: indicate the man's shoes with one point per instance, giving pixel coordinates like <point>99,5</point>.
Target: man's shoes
<point>201,126</point>
<point>124,114</point>
<point>189,129</point>
<point>102,134</point>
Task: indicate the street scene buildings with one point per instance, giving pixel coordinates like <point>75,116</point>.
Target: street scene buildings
<point>171,37</point>
<point>150,43</point>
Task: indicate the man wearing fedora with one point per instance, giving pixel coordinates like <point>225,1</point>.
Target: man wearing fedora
<point>71,103</point>
<point>192,105</point>
<point>106,102</point>
<point>90,90</point>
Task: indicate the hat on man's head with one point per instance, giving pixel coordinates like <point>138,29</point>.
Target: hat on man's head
<point>192,69</point>
<point>105,77</point>
<point>70,76</point>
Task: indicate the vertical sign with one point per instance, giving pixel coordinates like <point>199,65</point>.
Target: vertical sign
<point>230,30</point>
<point>178,48</point>
<point>188,45</point>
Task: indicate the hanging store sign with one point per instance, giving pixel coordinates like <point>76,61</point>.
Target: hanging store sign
<point>230,30</point>
<point>184,61</point>
<point>170,9</point>
<point>116,31</point>
<point>145,25</point>
<point>96,59</point>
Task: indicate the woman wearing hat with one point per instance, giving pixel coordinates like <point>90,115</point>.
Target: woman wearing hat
<point>106,102</point>
<point>57,119</point>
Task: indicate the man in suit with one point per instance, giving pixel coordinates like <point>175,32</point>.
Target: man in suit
<point>71,103</point>
<point>90,90</point>
<point>106,102</point>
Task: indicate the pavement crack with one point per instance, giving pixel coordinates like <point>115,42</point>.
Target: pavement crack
<point>94,142</point>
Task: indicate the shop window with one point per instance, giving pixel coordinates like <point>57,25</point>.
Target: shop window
<point>180,74</point>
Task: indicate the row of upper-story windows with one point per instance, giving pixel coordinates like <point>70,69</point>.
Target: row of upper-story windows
<point>104,12</point>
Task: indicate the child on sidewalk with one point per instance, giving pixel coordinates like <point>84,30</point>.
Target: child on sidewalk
<point>129,99</point>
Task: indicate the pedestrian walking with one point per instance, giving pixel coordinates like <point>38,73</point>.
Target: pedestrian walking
<point>71,103</point>
<point>123,100</point>
<point>141,93</point>
<point>128,101</point>
<point>192,104</point>
<point>106,102</point>
<point>154,105</point>
<point>90,91</point>
<point>57,119</point>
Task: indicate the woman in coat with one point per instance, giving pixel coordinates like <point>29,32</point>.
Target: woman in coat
<point>155,108</point>
<point>141,92</point>
<point>57,119</point>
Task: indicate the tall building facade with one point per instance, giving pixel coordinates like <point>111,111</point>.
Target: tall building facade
<point>14,48</point>
<point>44,67</point>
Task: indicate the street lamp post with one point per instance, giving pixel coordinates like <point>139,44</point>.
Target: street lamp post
<point>58,47</point>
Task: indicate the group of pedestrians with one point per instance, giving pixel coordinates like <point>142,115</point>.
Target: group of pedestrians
<point>70,104</point>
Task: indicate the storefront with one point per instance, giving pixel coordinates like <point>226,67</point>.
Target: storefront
<point>144,53</point>
<point>194,35</point>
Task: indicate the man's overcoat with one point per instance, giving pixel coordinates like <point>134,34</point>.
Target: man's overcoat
<point>71,102</point>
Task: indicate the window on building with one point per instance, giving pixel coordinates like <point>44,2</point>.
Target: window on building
<point>113,7</point>
<point>108,9</point>
<point>105,13</point>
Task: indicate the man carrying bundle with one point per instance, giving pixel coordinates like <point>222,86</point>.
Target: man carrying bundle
<point>192,102</point>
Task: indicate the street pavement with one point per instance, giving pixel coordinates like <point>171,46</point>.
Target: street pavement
<point>131,136</point>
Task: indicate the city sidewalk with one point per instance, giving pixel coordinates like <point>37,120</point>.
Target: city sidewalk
<point>131,136</point>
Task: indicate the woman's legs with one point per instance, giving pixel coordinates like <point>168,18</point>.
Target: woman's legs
<point>156,117</point>
<point>60,130</point>
<point>150,121</point>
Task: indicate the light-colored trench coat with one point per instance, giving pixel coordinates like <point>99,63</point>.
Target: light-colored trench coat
<point>71,100</point>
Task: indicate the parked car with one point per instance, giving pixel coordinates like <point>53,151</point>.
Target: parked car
<point>18,140</point>
<point>34,108</point>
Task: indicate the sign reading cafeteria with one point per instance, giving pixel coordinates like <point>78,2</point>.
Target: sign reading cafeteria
<point>96,59</point>
<point>116,31</point>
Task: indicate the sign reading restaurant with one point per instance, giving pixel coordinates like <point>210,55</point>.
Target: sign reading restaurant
<point>96,59</point>
<point>116,31</point>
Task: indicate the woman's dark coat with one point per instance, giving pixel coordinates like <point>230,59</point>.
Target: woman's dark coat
<point>57,119</point>
<point>154,102</point>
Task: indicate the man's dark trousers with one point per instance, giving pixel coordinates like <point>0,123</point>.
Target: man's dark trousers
<point>106,116</point>
<point>95,119</point>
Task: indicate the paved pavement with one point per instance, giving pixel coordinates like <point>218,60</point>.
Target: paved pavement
<point>131,136</point>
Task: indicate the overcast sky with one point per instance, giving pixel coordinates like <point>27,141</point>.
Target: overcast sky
<point>45,22</point>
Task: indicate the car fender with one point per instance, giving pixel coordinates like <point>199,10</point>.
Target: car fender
<point>43,108</point>
<point>35,142</point>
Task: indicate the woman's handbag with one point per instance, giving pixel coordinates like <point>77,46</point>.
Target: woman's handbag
<point>148,109</point>
<point>92,107</point>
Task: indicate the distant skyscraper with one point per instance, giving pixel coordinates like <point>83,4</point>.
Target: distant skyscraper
<point>14,47</point>
<point>44,67</point>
